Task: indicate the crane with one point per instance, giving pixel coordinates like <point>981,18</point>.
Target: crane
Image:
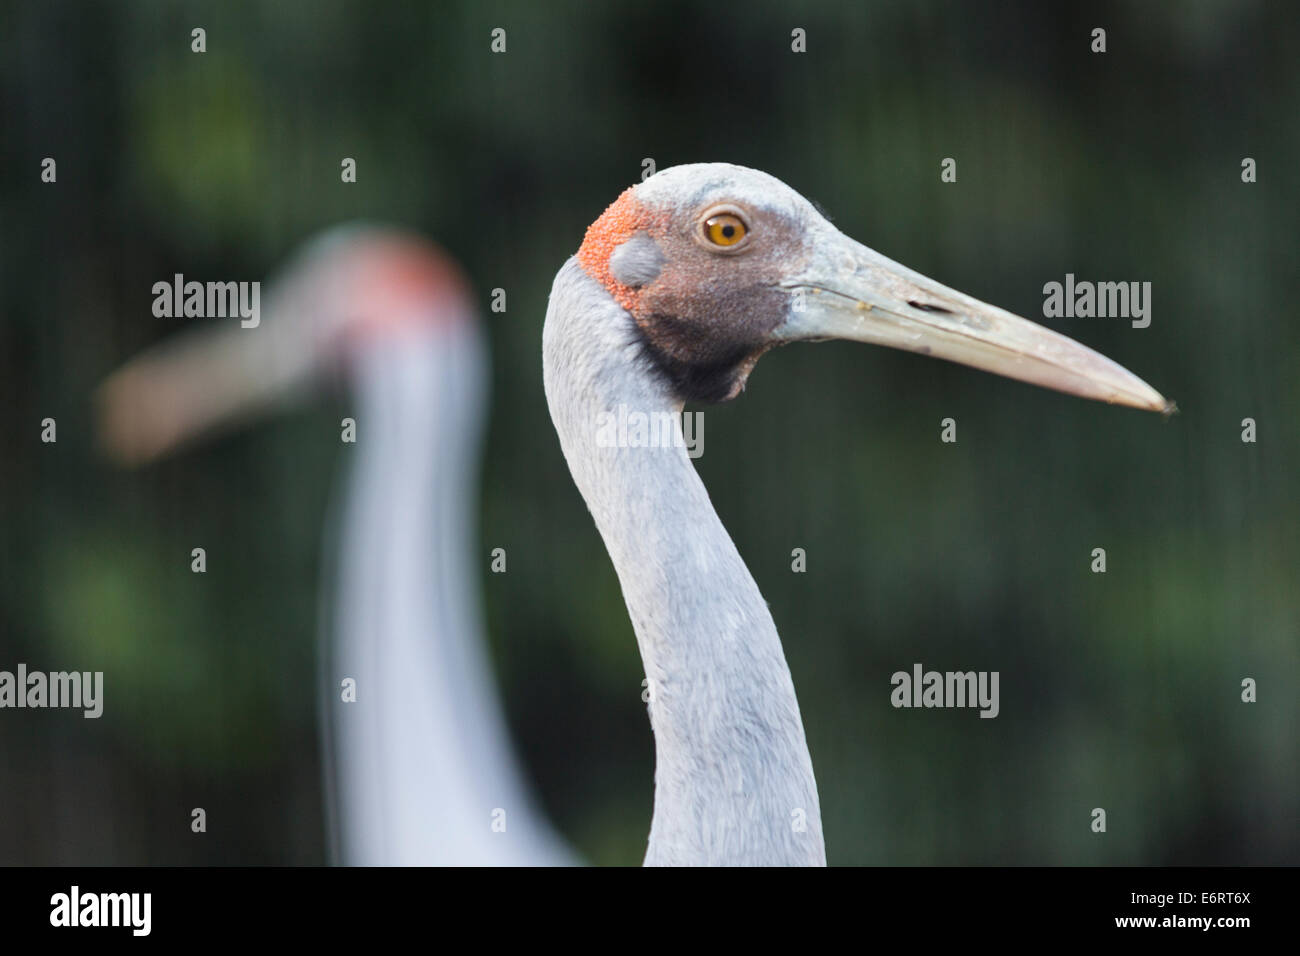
<point>677,290</point>
<point>419,769</point>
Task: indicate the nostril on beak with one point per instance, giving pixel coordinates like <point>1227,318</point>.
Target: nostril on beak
<point>929,308</point>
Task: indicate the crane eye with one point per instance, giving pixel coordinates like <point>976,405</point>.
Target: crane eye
<point>724,229</point>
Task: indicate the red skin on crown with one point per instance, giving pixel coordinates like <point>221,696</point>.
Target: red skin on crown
<point>395,275</point>
<point>624,218</point>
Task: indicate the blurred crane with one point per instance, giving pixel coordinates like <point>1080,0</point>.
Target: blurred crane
<point>677,290</point>
<point>419,767</point>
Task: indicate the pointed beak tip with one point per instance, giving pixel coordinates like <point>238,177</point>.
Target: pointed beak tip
<point>1147,399</point>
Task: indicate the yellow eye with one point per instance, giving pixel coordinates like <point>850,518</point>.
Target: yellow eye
<point>724,229</point>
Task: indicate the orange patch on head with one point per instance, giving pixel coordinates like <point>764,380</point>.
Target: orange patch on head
<point>398,277</point>
<point>624,218</point>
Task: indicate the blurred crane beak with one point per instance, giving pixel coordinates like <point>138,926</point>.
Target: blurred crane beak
<point>851,292</point>
<point>195,382</point>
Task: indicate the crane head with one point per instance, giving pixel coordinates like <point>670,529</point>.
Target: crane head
<point>717,263</point>
<point>346,287</point>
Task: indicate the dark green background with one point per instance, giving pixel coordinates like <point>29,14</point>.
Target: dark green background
<point>1118,691</point>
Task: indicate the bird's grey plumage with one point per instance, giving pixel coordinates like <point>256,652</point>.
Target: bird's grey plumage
<point>424,763</point>
<point>419,768</point>
<point>636,261</point>
<point>677,290</point>
<point>733,777</point>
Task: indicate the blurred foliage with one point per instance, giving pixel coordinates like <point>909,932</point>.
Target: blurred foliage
<point>1118,690</point>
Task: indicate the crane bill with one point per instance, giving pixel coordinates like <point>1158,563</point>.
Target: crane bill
<point>188,386</point>
<point>852,292</point>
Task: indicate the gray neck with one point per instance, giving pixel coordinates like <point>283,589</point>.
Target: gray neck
<point>421,768</point>
<point>733,779</point>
